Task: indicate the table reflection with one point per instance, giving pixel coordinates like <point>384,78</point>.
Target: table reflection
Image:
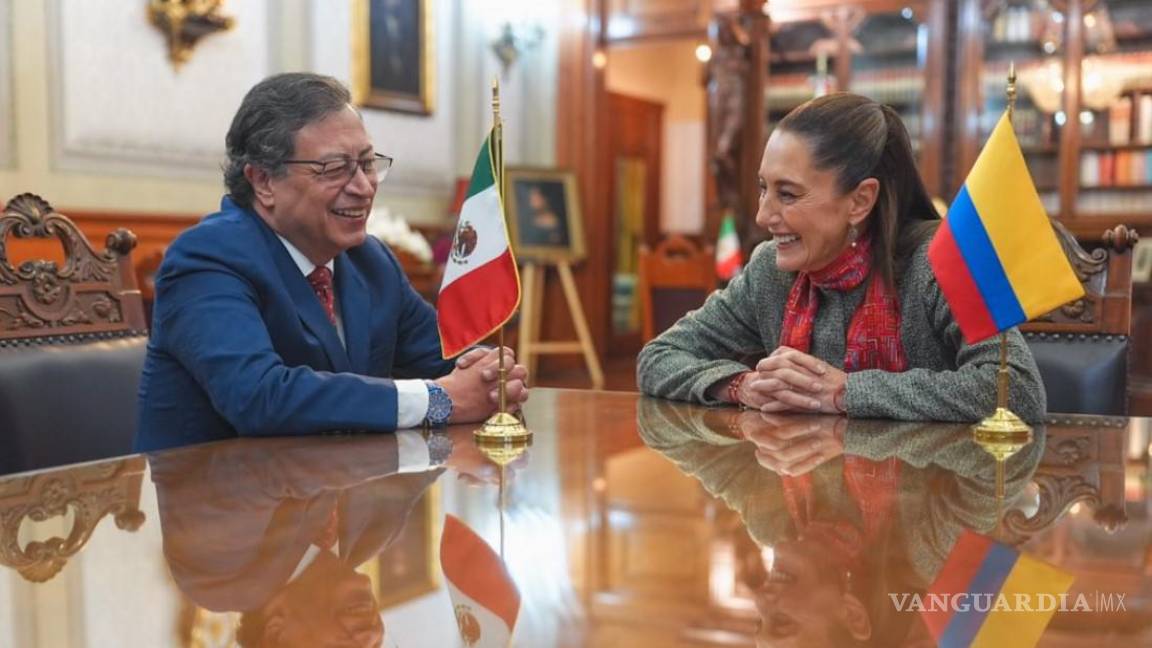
<point>839,512</point>
<point>629,522</point>
<point>275,529</point>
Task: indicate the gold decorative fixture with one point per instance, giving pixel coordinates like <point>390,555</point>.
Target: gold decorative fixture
<point>515,40</point>
<point>185,22</point>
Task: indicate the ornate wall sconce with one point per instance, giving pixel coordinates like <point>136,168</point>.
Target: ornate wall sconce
<point>515,40</point>
<point>185,22</point>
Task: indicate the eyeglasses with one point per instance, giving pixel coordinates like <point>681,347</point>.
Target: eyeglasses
<point>342,170</point>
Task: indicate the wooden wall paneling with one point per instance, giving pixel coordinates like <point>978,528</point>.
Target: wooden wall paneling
<point>1073,94</point>
<point>635,130</point>
<point>580,122</point>
<point>932,120</point>
<point>646,19</point>
<point>968,96</point>
<point>154,232</point>
<point>756,23</point>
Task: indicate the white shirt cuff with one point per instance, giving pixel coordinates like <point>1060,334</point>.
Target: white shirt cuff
<point>411,403</point>
<point>414,456</point>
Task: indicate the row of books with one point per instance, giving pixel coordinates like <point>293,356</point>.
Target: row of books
<point>1019,24</point>
<point>1116,168</point>
<point>1033,127</point>
<point>1114,202</point>
<point>1130,120</point>
<point>897,86</point>
<point>894,86</point>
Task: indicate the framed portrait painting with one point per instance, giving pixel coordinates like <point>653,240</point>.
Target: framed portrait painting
<point>544,214</point>
<point>392,55</point>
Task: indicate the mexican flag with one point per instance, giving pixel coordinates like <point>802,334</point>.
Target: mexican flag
<point>484,598</point>
<point>481,287</point>
<point>728,257</point>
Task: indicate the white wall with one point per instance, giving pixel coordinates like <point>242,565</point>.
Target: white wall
<point>668,72</point>
<point>97,118</point>
<point>7,154</point>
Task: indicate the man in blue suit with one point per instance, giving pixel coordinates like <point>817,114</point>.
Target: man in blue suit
<point>278,315</point>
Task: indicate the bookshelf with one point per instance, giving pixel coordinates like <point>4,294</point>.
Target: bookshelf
<point>1084,109</point>
<point>890,51</point>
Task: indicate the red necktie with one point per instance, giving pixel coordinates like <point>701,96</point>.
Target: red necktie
<point>330,534</point>
<point>321,281</point>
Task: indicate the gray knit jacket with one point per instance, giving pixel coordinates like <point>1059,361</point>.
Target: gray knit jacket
<point>946,379</point>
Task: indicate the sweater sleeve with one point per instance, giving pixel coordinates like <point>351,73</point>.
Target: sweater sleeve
<point>707,344</point>
<point>966,393</point>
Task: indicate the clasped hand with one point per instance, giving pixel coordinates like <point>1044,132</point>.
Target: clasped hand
<point>793,445</point>
<point>474,385</point>
<point>793,381</point>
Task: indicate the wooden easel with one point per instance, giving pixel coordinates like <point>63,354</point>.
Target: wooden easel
<point>533,275</point>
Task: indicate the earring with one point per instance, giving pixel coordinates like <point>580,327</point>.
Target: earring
<point>853,234</point>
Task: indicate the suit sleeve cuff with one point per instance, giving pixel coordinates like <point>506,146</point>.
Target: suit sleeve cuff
<point>413,451</point>
<point>411,403</point>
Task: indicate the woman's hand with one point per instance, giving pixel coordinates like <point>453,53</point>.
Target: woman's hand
<point>795,445</point>
<point>793,381</point>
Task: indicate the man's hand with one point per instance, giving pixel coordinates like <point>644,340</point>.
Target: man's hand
<point>474,385</point>
<point>794,381</point>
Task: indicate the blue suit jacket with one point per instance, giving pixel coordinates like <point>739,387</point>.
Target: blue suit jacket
<point>240,345</point>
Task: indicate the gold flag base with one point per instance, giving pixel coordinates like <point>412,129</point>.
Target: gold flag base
<point>1002,434</point>
<point>503,450</point>
<point>502,425</point>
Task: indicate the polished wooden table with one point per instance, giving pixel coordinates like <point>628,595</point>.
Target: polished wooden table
<point>629,522</point>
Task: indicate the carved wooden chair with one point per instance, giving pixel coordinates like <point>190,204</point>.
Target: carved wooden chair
<point>675,278</point>
<point>72,342</point>
<point>1083,462</point>
<point>89,492</point>
<point>1082,347</point>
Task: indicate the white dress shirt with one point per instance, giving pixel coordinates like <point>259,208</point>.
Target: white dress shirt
<point>411,395</point>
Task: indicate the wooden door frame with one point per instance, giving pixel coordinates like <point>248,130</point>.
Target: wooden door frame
<point>625,343</point>
<point>580,128</point>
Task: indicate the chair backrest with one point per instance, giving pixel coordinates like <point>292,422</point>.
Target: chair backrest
<point>675,278</point>
<point>1082,347</point>
<point>72,343</point>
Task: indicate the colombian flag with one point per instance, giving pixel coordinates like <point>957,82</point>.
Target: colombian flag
<point>988,594</point>
<point>995,256</point>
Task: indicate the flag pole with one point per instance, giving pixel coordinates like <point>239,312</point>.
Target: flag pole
<point>501,504</point>
<point>498,154</point>
<point>503,451</point>
<point>503,424</point>
<point>1003,434</point>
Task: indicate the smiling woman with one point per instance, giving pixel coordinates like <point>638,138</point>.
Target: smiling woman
<point>840,312</point>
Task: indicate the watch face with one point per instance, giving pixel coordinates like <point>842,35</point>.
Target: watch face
<point>439,448</point>
<point>439,405</point>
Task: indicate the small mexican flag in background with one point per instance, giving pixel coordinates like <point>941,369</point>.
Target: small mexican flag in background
<point>729,260</point>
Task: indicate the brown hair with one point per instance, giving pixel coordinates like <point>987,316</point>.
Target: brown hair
<point>860,138</point>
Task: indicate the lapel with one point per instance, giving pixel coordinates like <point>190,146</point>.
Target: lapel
<point>307,305</point>
<point>352,300</point>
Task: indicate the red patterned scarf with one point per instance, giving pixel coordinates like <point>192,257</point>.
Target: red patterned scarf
<point>873,342</point>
